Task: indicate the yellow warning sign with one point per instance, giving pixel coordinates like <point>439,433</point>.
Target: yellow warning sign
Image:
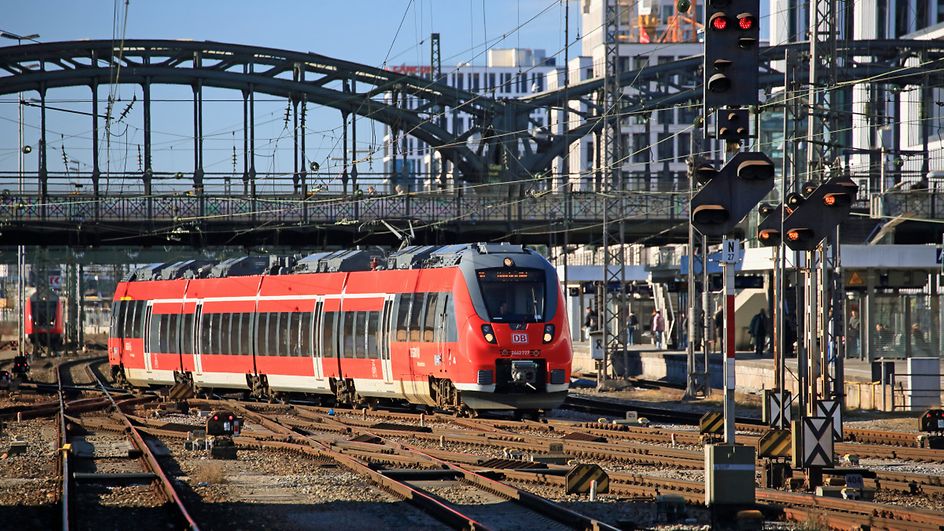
<point>855,279</point>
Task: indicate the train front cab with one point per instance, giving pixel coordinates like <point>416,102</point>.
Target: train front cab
<point>515,335</point>
<point>44,321</point>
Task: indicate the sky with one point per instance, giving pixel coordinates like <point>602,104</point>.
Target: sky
<point>372,32</point>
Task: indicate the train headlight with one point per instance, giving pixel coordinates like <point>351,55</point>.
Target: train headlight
<point>548,333</point>
<point>489,334</point>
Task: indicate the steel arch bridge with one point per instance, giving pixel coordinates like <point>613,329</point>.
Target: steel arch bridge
<point>199,217</point>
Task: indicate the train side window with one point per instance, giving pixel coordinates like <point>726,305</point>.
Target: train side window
<point>373,335</point>
<point>219,333</point>
<point>117,318</point>
<point>329,336</point>
<point>452,334</point>
<point>186,333</point>
<point>432,306</point>
<point>214,333</point>
<point>273,346</point>
<point>137,325</point>
<point>247,333</point>
<point>304,334</point>
<point>360,335</point>
<point>403,316</point>
<point>262,331</point>
<point>227,333</point>
<point>235,324</point>
<point>289,333</point>
<point>129,330</point>
<point>206,330</point>
<point>164,340</point>
<point>347,334</point>
<point>172,335</point>
<point>155,333</point>
<point>416,315</point>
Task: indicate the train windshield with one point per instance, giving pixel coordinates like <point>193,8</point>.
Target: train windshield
<point>44,312</point>
<point>513,295</point>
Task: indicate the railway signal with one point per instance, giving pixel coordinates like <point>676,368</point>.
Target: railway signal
<point>730,193</point>
<point>731,59</point>
<point>768,230</point>
<point>816,216</point>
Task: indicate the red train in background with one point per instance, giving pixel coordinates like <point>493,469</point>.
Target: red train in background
<point>464,327</point>
<point>44,321</point>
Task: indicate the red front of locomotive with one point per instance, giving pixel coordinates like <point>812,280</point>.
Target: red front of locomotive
<point>513,333</point>
<point>44,323</point>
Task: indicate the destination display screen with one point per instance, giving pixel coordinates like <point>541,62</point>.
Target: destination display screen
<point>511,275</point>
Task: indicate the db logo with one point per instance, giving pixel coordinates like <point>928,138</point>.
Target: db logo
<point>519,338</point>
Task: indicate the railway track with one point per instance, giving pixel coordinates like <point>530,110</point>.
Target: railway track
<point>106,472</point>
<point>525,510</point>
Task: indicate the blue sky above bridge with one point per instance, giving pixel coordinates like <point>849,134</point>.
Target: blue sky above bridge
<point>364,31</point>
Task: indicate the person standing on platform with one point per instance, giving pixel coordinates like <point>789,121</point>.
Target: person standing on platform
<point>631,329</point>
<point>852,334</point>
<point>658,329</point>
<point>590,321</point>
<point>758,330</point>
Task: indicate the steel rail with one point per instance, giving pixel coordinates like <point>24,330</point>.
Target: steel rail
<point>527,500</point>
<point>150,460</point>
<point>64,451</point>
<point>440,510</point>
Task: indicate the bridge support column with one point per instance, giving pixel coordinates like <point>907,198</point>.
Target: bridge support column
<point>148,173</point>
<point>43,175</point>
<point>96,171</point>
<point>198,188</point>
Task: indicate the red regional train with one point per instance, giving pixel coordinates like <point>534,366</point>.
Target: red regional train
<point>44,321</point>
<point>464,327</point>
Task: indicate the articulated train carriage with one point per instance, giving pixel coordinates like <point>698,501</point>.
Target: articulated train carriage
<point>464,327</point>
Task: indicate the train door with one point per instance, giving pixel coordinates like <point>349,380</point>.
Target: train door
<point>316,333</point>
<point>147,337</point>
<point>198,339</point>
<point>388,324</point>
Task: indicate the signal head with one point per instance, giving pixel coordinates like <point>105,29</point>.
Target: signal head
<point>837,199</point>
<point>808,188</point>
<point>769,236</point>
<point>719,22</point>
<point>794,200</point>
<point>765,209</point>
<point>746,21</point>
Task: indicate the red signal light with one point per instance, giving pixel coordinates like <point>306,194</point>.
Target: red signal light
<point>830,200</point>
<point>216,417</point>
<point>719,23</point>
<point>793,235</point>
<point>746,22</point>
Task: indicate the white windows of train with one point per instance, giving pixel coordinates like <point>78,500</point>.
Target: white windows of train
<point>360,335</point>
<point>304,334</point>
<point>416,315</point>
<point>347,334</point>
<point>206,333</point>
<point>403,316</point>
<point>118,310</point>
<point>429,323</point>
<point>173,334</point>
<point>452,333</point>
<point>137,326</point>
<point>186,333</point>
<point>154,334</point>
<point>292,339</point>
<point>374,337</point>
<point>262,334</point>
<point>274,329</point>
<point>246,327</point>
<point>329,337</point>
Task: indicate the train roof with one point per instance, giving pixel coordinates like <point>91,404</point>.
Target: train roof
<point>412,257</point>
